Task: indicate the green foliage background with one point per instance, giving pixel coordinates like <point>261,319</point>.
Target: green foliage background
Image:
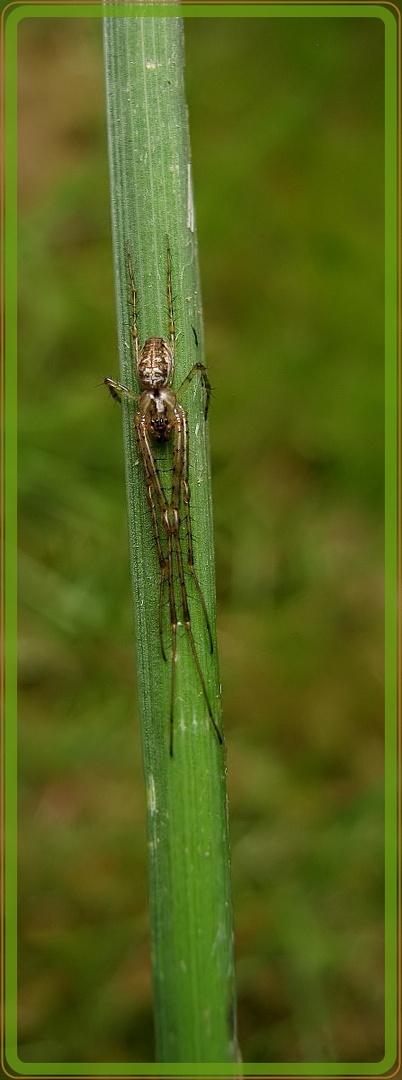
<point>286,119</point>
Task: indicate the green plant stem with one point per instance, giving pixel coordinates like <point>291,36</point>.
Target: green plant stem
<point>191,916</point>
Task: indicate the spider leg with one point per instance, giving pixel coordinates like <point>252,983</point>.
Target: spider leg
<point>187,623</point>
<point>186,504</point>
<point>170,520</point>
<point>117,390</point>
<point>155,497</point>
<point>160,611</point>
<point>173,624</point>
<point>133,291</point>
<point>179,466</point>
<point>172,330</point>
<point>205,382</point>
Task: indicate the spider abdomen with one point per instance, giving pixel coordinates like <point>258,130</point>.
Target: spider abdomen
<point>155,363</point>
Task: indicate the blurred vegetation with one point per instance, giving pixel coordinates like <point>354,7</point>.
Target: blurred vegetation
<point>287,132</point>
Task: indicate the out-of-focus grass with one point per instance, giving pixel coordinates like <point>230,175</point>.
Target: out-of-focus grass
<point>286,123</point>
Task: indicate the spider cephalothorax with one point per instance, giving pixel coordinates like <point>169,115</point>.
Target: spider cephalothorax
<point>158,408</point>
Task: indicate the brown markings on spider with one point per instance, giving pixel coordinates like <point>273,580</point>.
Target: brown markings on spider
<point>160,416</point>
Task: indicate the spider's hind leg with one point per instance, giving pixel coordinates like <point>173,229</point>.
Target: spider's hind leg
<point>181,493</point>
<point>173,627</point>
<point>162,582</point>
<point>190,562</point>
<point>185,495</point>
<point>187,623</point>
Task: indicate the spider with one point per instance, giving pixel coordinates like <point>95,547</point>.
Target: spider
<point>159,417</point>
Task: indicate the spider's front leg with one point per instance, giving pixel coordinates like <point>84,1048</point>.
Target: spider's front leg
<point>201,369</point>
<point>117,390</point>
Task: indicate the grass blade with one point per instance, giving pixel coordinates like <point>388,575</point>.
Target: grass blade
<point>191,920</point>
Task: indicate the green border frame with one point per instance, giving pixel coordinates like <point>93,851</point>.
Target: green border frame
<point>12,14</point>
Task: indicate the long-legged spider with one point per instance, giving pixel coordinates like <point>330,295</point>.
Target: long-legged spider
<point>160,415</point>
